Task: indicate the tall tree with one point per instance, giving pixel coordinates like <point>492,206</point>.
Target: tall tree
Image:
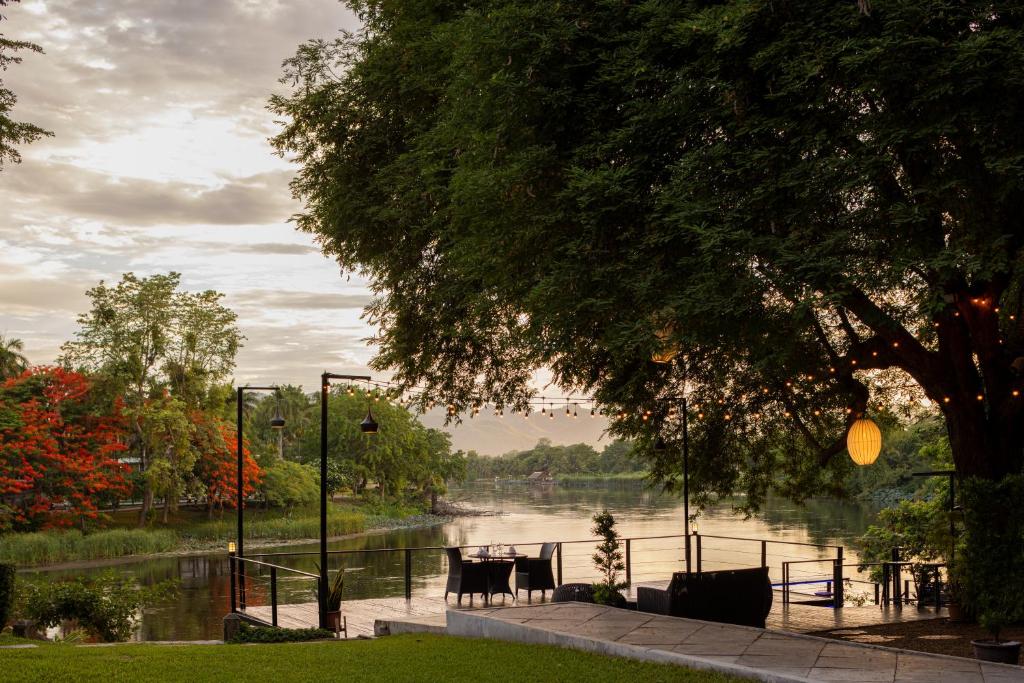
<point>819,206</point>
<point>12,360</point>
<point>59,448</point>
<point>164,351</point>
<point>13,133</point>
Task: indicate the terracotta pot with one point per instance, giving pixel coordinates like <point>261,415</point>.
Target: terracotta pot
<point>1003,651</point>
<point>333,620</point>
<point>956,612</point>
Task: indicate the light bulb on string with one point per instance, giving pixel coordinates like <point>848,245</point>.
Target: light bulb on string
<point>567,410</point>
<point>593,412</point>
<point>575,412</point>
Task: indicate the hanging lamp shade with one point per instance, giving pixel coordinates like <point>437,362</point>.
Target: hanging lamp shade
<point>277,422</point>
<point>368,425</point>
<point>668,350</point>
<point>864,441</point>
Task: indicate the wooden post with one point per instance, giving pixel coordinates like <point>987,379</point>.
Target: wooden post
<point>700,561</point>
<point>837,577</point>
<point>231,571</point>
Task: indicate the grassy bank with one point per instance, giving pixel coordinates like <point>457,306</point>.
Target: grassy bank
<point>186,531</point>
<point>396,658</point>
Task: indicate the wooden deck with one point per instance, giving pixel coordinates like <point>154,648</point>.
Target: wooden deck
<point>362,614</point>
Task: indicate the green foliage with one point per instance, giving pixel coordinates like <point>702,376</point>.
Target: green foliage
<point>766,187</point>
<point>296,524</point>
<point>7,586</point>
<point>993,559</point>
<point>289,484</point>
<point>12,362</point>
<point>50,547</point>
<point>906,448</point>
<point>608,561</point>
<point>336,591</point>
<point>919,528</point>
<point>270,634</point>
<point>13,133</point>
<point>107,606</point>
<point>575,460</point>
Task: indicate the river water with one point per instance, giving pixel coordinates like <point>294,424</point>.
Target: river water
<point>522,515</point>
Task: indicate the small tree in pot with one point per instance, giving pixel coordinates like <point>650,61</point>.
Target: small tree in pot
<point>608,560</point>
<point>993,560</point>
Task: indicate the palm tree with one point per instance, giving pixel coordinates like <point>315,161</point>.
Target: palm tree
<point>12,361</point>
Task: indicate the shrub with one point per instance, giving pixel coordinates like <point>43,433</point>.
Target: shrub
<point>992,567</point>
<point>273,634</point>
<point>288,484</point>
<point>49,547</point>
<point>6,593</point>
<point>107,606</point>
<point>608,560</point>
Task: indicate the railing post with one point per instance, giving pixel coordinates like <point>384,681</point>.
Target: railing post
<point>273,596</point>
<point>886,584</point>
<point>895,573</point>
<point>876,593</point>
<point>241,584</point>
<point>408,574</point>
<point>938,589</point>
<point>629,571</point>
<point>785,583</point>
<point>559,565</point>
<point>837,578</point>
<point>764,553</point>
<point>700,562</point>
<point>231,571</point>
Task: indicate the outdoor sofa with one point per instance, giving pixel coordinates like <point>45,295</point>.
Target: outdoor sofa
<point>733,596</point>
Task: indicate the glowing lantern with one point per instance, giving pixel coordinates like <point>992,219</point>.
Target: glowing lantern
<point>669,349</point>
<point>864,441</point>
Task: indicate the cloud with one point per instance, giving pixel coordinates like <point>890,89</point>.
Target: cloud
<point>67,189</point>
<point>266,298</point>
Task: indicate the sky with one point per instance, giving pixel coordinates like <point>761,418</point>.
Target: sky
<point>160,162</point>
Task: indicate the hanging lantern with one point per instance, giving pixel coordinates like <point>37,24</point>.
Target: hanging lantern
<point>864,441</point>
<point>368,425</point>
<point>668,350</point>
<point>277,422</point>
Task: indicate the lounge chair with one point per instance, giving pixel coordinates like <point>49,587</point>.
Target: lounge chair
<point>734,596</point>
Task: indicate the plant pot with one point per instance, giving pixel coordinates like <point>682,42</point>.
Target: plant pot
<point>956,612</point>
<point>333,620</point>
<point>1002,651</point>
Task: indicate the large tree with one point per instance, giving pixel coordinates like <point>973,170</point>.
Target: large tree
<point>163,351</point>
<point>12,360</point>
<point>13,133</point>
<point>818,203</point>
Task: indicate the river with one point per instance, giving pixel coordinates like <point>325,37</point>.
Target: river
<point>522,515</point>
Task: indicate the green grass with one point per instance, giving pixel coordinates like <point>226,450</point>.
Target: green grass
<point>427,658</point>
<point>186,529</point>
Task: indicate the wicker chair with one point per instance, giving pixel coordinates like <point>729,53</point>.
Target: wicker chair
<point>534,573</point>
<point>464,576</point>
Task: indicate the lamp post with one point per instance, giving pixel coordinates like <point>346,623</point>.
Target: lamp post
<point>659,444</point>
<point>367,426</point>
<point>277,422</point>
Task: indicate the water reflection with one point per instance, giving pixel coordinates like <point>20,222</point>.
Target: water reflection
<point>523,515</point>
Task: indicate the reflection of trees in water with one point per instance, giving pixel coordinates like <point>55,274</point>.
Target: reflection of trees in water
<point>825,520</point>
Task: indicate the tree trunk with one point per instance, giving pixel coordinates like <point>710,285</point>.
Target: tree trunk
<point>147,505</point>
<point>167,507</point>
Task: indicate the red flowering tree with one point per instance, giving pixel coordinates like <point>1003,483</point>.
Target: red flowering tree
<point>58,451</point>
<point>217,465</point>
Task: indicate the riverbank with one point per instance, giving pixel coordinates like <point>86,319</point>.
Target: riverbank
<point>72,549</point>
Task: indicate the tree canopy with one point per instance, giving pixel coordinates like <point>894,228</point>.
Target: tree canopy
<point>13,133</point>
<point>816,203</point>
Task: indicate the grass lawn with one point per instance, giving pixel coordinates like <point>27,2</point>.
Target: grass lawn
<point>427,658</point>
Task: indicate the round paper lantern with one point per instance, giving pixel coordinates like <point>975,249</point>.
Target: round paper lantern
<point>864,441</point>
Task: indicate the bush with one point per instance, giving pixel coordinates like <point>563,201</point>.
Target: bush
<point>300,525</point>
<point>107,606</point>
<point>6,593</point>
<point>992,566</point>
<point>49,547</point>
<point>272,634</point>
<point>288,484</point>
<point>608,560</point>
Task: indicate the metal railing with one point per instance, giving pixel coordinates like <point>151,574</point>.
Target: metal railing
<point>566,562</point>
<point>246,571</point>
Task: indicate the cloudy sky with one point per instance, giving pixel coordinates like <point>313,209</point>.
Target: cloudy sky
<point>160,161</point>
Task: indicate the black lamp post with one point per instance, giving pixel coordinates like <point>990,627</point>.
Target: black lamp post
<point>367,426</point>
<point>277,422</point>
<point>660,445</point>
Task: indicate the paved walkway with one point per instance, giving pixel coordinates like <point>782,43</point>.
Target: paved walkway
<point>362,614</point>
<point>756,653</point>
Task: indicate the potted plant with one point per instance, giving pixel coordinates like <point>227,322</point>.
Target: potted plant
<point>608,560</point>
<point>993,583</point>
<point>335,621</point>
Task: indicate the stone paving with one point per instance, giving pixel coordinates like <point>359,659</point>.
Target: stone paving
<point>739,650</point>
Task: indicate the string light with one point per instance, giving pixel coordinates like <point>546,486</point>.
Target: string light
<point>1016,393</point>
